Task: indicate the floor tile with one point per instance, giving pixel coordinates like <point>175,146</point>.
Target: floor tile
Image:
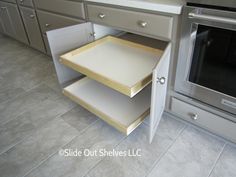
<point>24,103</point>
<point>26,123</point>
<point>226,165</point>
<point>98,136</point>
<point>26,155</point>
<point>192,155</point>
<point>138,166</point>
<point>79,118</point>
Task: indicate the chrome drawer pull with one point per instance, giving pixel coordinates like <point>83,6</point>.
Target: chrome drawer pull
<point>101,16</point>
<point>161,80</point>
<point>194,116</point>
<point>142,24</point>
<point>32,16</point>
<point>47,25</point>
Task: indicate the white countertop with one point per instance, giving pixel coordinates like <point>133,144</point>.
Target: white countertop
<point>166,6</point>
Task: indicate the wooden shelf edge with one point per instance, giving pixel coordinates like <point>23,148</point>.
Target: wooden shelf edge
<point>117,125</point>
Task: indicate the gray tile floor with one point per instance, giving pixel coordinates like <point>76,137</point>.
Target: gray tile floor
<point>36,121</point>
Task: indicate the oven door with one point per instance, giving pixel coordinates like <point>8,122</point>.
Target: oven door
<point>206,67</point>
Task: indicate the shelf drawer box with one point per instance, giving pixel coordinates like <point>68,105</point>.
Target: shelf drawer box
<point>204,119</point>
<point>152,24</point>
<point>49,21</point>
<point>66,7</point>
<point>125,66</point>
<point>118,110</point>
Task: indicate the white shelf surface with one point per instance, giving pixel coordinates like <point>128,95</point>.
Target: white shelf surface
<point>118,110</point>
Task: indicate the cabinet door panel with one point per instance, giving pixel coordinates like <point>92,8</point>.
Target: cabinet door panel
<point>32,28</point>
<point>63,40</point>
<point>159,90</point>
<point>7,25</point>
<point>14,22</point>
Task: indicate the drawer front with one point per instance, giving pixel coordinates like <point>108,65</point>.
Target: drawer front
<point>155,25</point>
<point>27,3</point>
<point>32,28</point>
<point>12,1</point>
<point>66,7</point>
<point>49,21</point>
<point>204,119</point>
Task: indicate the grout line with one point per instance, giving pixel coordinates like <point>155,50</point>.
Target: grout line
<point>56,152</point>
<point>164,153</point>
<point>100,161</point>
<point>217,159</point>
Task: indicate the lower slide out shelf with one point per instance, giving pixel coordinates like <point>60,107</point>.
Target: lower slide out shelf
<point>118,110</point>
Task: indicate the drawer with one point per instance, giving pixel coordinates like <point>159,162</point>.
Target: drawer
<point>49,21</point>
<point>12,1</point>
<point>66,7</point>
<point>154,25</point>
<point>204,119</point>
<point>120,55</point>
<point>27,3</point>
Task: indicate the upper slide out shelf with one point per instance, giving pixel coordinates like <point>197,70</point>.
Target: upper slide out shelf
<point>122,65</point>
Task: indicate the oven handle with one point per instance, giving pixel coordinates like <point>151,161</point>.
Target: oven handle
<point>212,18</point>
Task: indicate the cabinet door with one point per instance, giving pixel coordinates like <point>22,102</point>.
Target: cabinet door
<point>159,90</point>
<point>65,39</point>
<point>32,28</point>
<point>12,17</point>
<point>7,25</point>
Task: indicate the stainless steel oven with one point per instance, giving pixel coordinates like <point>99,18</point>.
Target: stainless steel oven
<point>206,68</point>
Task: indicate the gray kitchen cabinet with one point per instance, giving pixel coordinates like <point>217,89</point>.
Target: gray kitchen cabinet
<point>49,21</point>
<point>65,7</point>
<point>1,24</point>
<point>27,3</point>
<point>32,28</point>
<point>91,92</point>
<point>12,23</point>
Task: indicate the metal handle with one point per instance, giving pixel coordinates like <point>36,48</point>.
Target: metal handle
<point>47,25</point>
<point>161,80</point>
<point>142,24</point>
<point>32,16</point>
<point>194,116</point>
<point>212,18</point>
<point>101,16</point>
<point>21,1</point>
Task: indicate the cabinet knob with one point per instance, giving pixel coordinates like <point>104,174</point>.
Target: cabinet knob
<point>47,25</point>
<point>101,16</point>
<point>161,80</point>
<point>194,116</point>
<point>142,24</point>
<point>32,16</point>
<point>21,1</point>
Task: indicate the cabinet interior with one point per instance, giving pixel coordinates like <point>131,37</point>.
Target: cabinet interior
<point>122,111</point>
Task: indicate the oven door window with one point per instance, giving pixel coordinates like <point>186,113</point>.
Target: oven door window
<point>214,59</point>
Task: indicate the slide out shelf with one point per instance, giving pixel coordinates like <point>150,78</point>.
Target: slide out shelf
<point>118,110</point>
<point>122,65</point>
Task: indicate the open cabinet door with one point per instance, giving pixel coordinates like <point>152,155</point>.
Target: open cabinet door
<point>69,38</point>
<point>63,40</point>
<point>159,89</point>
